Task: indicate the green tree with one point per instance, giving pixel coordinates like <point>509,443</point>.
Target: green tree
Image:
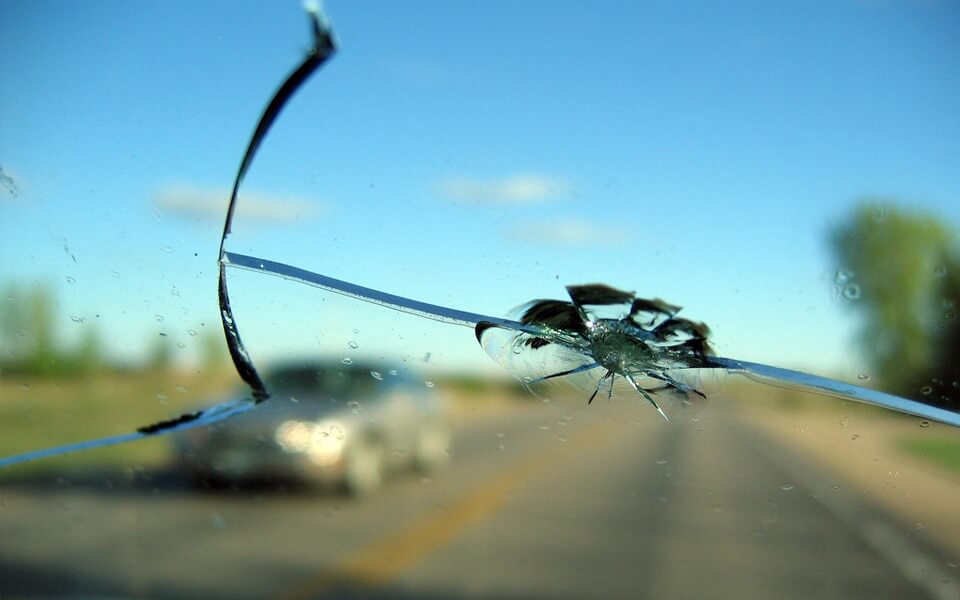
<point>945,370</point>
<point>29,342</point>
<point>43,355</point>
<point>213,350</point>
<point>13,334</point>
<point>27,329</point>
<point>897,269</point>
<point>160,357</point>
<point>88,356</point>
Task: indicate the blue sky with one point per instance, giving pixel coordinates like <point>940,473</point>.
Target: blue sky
<point>478,155</point>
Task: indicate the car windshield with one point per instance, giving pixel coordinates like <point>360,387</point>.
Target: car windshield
<point>506,300</point>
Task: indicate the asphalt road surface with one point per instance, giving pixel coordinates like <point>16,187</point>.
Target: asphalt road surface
<point>605,502</point>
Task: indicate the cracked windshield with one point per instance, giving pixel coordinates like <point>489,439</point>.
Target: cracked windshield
<point>506,300</point>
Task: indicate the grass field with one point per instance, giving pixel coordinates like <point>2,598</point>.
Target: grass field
<point>943,452</point>
<point>38,413</point>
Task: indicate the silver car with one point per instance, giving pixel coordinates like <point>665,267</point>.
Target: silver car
<point>328,424</point>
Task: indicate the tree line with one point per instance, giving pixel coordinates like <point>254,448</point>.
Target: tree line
<point>31,345</point>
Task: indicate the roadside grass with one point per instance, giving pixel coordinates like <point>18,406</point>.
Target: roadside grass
<point>942,452</point>
<point>929,446</point>
<point>754,395</point>
<point>39,413</point>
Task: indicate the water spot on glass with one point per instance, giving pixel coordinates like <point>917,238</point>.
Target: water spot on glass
<point>347,360</point>
<point>181,345</point>
<point>940,270</point>
<point>167,249</point>
<point>429,384</point>
<point>500,435</point>
<point>863,376</point>
<point>500,447</point>
<point>851,291</point>
<point>835,488</point>
<point>918,526</point>
<point>356,331</point>
<point>162,397</point>
<point>562,437</point>
<point>71,280</point>
<point>662,461</point>
<point>879,214</point>
<point>217,521</point>
<point>854,437</point>
<point>181,389</point>
<point>376,375</point>
<point>355,407</point>
<point>352,345</point>
<point>844,420</point>
<point>159,318</point>
<point>924,424</point>
<point>76,319</point>
<point>842,276</point>
<point>24,386</point>
<point>786,487</point>
<point>192,332</point>
<point>392,372</point>
<point>926,390</point>
<point>294,399</point>
<point>544,427</point>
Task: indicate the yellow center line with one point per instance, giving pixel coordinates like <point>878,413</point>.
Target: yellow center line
<point>380,561</point>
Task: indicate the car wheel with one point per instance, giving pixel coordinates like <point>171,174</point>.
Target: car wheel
<point>364,469</point>
<point>433,447</point>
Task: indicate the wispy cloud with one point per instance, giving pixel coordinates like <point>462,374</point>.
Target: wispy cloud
<point>205,203</point>
<point>516,189</point>
<point>568,232</point>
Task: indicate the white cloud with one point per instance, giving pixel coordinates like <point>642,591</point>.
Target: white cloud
<point>568,232</point>
<point>516,189</point>
<point>189,201</point>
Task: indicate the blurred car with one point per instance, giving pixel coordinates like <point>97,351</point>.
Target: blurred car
<point>327,424</point>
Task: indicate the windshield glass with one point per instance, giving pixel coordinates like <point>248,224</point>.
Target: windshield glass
<point>512,300</point>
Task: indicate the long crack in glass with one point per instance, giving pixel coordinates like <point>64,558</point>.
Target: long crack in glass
<point>601,332</point>
<point>323,48</point>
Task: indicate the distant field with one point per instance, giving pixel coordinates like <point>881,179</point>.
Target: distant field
<point>37,413</point>
<point>943,452</point>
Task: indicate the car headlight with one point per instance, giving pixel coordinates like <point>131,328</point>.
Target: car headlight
<point>322,442</point>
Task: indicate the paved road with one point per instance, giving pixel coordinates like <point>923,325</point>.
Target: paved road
<point>538,503</point>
